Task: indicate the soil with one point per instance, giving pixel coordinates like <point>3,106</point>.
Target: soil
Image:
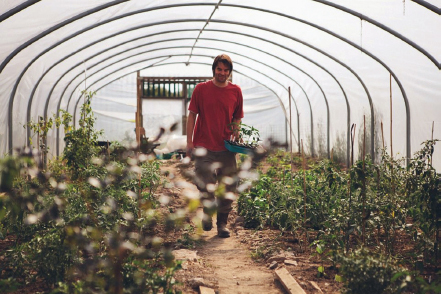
<point>240,264</point>
<point>223,264</point>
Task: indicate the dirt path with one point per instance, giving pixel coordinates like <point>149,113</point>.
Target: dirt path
<point>233,267</point>
<point>223,264</point>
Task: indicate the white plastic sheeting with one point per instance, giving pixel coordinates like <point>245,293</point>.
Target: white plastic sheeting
<point>115,106</point>
<point>342,61</point>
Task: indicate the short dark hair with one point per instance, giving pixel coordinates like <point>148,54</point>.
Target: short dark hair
<point>225,59</point>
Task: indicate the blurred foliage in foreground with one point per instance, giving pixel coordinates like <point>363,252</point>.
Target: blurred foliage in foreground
<point>87,223</point>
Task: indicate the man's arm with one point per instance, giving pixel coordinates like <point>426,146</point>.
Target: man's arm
<point>190,128</point>
<point>236,128</point>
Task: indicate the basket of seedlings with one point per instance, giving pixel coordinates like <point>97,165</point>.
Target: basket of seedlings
<point>248,139</point>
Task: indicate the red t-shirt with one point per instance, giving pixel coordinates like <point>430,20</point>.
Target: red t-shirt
<point>216,107</point>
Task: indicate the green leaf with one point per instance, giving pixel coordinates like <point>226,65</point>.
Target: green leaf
<point>319,249</point>
<point>339,278</point>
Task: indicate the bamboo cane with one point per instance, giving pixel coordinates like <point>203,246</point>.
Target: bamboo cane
<point>382,133</point>
<point>139,196</point>
<point>392,162</point>
<point>433,126</point>
<point>353,127</point>
<point>290,124</point>
<point>431,155</point>
<point>364,181</point>
<point>304,192</point>
<point>437,229</point>
<point>391,149</point>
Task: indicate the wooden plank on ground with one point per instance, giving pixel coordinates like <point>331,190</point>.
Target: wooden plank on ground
<point>314,284</point>
<point>205,290</point>
<point>289,283</point>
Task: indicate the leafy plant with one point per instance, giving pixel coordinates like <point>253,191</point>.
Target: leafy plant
<point>88,223</point>
<point>425,187</point>
<point>367,272</point>
<point>81,143</point>
<point>248,135</point>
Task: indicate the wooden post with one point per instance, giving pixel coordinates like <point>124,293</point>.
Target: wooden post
<point>304,193</point>
<point>290,123</point>
<point>138,108</point>
<point>184,116</point>
<point>431,156</point>
<point>433,126</point>
<point>353,127</point>
<point>382,133</point>
<point>139,194</point>
<point>140,131</point>
<point>390,86</point>
<point>392,162</point>
<point>290,126</point>
<point>184,108</point>
<point>364,182</point>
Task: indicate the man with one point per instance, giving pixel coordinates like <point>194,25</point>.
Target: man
<point>217,104</point>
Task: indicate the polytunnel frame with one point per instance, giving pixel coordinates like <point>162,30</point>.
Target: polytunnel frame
<point>429,6</point>
<point>17,9</point>
<point>160,41</point>
<point>328,136</point>
<point>314,48</point>
<point>312,126</point>
<point>134,29</point>
<point>386,28</point>
<point>252,8</point>
<point>164,32</point>
<point>29,3</point>
<point>200,55</point>
<point>188,63</point>
<point>168,56</point>
<point>310,60</point>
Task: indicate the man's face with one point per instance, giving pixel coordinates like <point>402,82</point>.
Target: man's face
<point>221,72</point>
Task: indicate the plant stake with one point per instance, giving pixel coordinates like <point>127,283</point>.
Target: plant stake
<point>353,127</point>
<point>392,163</point>
<point>382,134</point>
<point>304,192</point>
<point>363,191</point>
<point>290,124</point>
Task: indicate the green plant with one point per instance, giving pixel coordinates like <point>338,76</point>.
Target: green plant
<point>425,186</point>
<point>8,285</point>
<point>42,127</point>
<point>75,228</point>
<point>150,276</point>
<point>189,238</point>
<point>81,143</point>
<point>367,272</point>
<point>248,135</point>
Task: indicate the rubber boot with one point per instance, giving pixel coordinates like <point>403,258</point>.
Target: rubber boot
<point>222,231</point>
<point>207,221</point>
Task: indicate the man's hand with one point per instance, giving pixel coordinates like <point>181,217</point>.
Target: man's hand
<point>190,148</point>
<point>236,130</point>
